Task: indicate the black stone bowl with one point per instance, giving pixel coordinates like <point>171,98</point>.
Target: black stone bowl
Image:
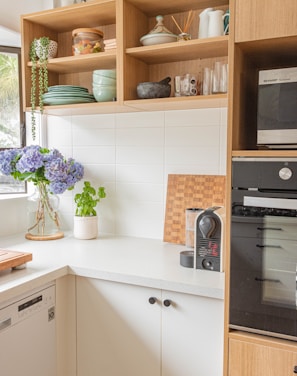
<point>149,90</point>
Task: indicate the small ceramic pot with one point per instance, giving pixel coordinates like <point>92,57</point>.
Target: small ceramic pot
<point>85,227</point>
<point>52,50</point>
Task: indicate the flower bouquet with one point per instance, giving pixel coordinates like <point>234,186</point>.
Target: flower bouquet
<point>51,173</point>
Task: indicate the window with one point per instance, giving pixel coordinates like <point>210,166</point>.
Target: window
<point>12,127</point>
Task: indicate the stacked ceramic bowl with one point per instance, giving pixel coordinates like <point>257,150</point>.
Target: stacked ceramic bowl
<point>104,85</point>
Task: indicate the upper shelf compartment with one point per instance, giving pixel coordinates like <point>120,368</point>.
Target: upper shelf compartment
<point>63,19</point>
<point>181,51</point>
<point>58,24</point>
<point>150,7</point>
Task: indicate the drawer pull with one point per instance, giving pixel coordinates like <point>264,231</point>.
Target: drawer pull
<point>295,369</point>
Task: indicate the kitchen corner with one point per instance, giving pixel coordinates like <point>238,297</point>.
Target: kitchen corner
<point>136,261</point>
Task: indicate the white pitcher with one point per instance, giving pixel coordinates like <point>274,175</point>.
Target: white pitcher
<point>215,23</point>
<point>203,23</point>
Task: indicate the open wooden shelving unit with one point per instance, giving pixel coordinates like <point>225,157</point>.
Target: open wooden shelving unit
<point>127,21</point>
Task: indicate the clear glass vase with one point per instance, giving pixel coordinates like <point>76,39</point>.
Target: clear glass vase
<point>43,218</point>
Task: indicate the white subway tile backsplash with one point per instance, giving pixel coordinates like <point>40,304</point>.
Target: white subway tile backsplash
<point>139,154</point>
<point>140,136</point>
<point>139,173</point>
<point>94,154</point>
<point>59,132</point>
<point>94,121</point>
<point>140,192</point>
<point>140,120</point>
<point>90,136</point>
<point>131,154</point>
<point>192,136</point>
<point>205,116</point>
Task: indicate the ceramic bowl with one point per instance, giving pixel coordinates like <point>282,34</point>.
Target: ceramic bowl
<point>110,73</point>
<point>102,80</point>
<point>149,90</point>
<point>158,38</point>
<point>104,93</point>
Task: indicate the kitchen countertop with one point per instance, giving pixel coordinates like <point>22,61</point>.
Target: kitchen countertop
<point>138,261</point>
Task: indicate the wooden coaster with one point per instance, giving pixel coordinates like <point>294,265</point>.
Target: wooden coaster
<point>57,235</point>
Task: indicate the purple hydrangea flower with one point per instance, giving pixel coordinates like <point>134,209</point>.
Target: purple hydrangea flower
<point>7,161</point>
<point>37,164</point>
<point>30,161</point>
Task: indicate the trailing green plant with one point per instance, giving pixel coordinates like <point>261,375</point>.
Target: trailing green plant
<point>88,200</point>
<point>39,47</point>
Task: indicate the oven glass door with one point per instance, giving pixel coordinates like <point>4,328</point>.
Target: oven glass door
<point>263,270</point>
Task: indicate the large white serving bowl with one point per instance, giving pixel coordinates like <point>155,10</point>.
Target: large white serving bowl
<point>158,38</point>
<point>104,93</point>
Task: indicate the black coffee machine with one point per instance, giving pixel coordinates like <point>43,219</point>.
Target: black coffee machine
<point>208,239</point>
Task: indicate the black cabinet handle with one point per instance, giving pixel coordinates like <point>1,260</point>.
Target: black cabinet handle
<point>152,300</point>
<point>295,369</point>
<point>167,302</point>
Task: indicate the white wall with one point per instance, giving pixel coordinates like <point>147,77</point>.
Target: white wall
<point>11,11</point>
<point>132,154</point>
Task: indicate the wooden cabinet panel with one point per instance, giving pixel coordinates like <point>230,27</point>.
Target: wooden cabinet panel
<point>264,19</point>
<point>253,357</point>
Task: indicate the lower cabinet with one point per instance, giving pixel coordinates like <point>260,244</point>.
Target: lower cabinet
<point>253,355</point>
<point>131,330</point>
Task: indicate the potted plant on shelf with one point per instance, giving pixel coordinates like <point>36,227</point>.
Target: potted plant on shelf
<point>86,219</point>
<point>41,50</point>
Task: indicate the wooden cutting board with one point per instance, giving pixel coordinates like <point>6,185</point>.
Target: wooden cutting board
<point>11,259</point>
<point>189,191</point>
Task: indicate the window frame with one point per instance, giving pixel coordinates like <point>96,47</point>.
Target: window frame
<point>17,51</point>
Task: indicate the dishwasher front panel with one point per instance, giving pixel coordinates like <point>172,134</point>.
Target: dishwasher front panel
<point>28,335</point>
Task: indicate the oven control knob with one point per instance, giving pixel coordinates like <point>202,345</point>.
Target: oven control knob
<point>285,173</point>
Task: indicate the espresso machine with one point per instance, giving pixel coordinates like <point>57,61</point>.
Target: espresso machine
<point>209,239</point>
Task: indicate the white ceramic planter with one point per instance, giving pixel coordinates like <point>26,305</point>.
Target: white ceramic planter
<point>85,227</point>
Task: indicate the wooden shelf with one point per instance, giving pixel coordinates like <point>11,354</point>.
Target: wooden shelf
<point>160,104</point>
<point>63,19</point>
<point>264,153</point>
<point>179,103</point>
<point>181,51</point>
<point>82,63</point>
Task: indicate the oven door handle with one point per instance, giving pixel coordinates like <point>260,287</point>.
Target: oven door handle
<point>258,279</point>
<point>270,228</point>
<point>267,245</point>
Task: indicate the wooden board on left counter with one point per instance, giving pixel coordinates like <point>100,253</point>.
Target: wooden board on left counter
<point>12,259</point>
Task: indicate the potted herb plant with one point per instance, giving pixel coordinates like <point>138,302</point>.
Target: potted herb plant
<point>41,50</point>
<point>86,219</point>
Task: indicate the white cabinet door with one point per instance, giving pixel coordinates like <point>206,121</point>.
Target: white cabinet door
<point>118,330</point>
<point>119,333</point>
<point>192,335</point>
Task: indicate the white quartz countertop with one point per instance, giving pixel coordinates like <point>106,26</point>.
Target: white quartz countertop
<point>138,261</point>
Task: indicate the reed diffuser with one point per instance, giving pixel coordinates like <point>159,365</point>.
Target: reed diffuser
<point>184,34</point>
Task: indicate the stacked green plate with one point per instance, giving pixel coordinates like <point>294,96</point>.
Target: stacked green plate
<point>67,94</point>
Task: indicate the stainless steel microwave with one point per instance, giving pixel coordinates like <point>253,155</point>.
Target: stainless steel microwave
<point>277,108</point>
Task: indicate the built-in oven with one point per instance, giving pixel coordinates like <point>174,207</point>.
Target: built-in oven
<point>263,263</point>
